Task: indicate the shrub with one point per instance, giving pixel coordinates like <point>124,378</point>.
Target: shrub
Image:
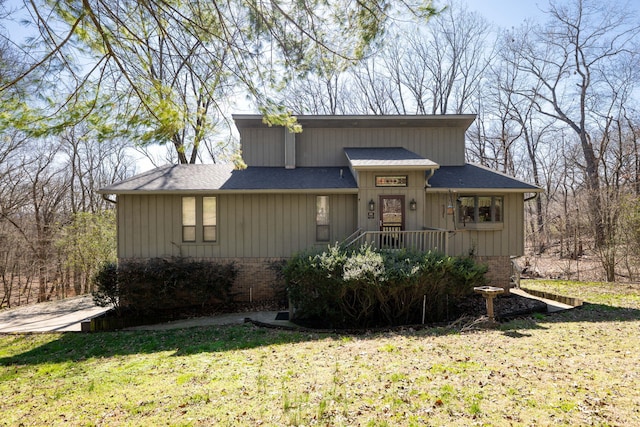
<point>158,284</point>
<point>361,287</point>
<point>105,283</point>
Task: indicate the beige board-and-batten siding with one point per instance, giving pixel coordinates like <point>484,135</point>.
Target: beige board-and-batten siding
<point>490,244</point>
<point>503,239</point>
<point>254,231</point>
<point>248,225</point>
<point>322,146</point>
<point>263,146</point>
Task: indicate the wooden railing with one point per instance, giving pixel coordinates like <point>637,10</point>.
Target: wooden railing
<point>420,240</point>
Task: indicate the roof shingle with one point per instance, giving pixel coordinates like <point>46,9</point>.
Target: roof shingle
<point>471,176</point>
<point>197,178</point>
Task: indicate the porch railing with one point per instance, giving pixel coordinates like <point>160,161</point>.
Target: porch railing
<point>420,240</point>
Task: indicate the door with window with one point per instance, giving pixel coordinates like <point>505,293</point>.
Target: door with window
<point>391,221</point>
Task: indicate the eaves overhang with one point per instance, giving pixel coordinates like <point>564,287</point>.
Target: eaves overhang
<point>483,190</point>
<point>475,179</point>
<point>387,159</point>
<point>316,190</point>
<point>365,121</point>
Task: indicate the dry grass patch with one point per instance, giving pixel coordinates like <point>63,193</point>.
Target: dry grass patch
<point>574,368</point>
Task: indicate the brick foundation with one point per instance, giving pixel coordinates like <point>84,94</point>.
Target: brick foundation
<point>257,279</point>
<point>499,273</point>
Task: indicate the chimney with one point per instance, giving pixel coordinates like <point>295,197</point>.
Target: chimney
<point>289,149</point>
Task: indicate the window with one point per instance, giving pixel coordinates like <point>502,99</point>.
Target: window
<point>479,209</point>
<point>197,210</point>
<point>209,219</point>
<point>322,218</point>
<point>188,219</point>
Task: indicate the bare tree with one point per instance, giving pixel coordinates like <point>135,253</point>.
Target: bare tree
<point>569,57</point>
<point>530,130</point>
<point>442,67</point>
<point>32,203</point>
<point>373,91</point>
<point>91,165</point>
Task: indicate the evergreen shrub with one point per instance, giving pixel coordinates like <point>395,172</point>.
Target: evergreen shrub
<point>366,287</point>
<point>158,285</point>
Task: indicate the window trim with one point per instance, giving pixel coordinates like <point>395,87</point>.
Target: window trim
<point>214,225</point>
<point>190,225</point>
<point>325,227</point>
<point>199,228</point>
<point>492,224</point>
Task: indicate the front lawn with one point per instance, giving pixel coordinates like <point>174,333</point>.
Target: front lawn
<point>575,368</point>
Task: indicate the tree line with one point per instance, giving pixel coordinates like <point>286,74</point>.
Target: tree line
<point>95,81</point>
<point>556,103</point>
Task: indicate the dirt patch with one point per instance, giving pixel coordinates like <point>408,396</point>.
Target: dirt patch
<point>504,306</point>
<point>585,268</point>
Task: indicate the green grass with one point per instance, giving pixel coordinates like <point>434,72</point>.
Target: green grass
<point>615,295</point>
<point>574,368</point>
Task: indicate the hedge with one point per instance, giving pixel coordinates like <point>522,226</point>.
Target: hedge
<point>366,287</point>
<point>162,284</point>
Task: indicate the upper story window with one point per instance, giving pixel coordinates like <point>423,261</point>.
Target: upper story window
<point>188,219</point>
<point>209,219</point>
<point>322,219</point>
<point>480,209</point>
<point>203,211</point>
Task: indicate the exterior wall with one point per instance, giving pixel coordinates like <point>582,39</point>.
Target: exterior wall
<point>254,230</point>
<point>369,191</point>
<point>500,239</point>
<point>499,272</point>
<point>324,147</point>
<point>257,280</point>
<point>264,146</point>
<point>249,225</point>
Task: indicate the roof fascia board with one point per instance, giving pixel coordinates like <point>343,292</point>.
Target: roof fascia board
<point>356,121</point>
<point>495,190</point>
<point>395,168</point>
<point>248,191</point>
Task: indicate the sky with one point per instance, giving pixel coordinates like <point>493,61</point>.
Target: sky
<point>503,13</point>
<point>509,13</point>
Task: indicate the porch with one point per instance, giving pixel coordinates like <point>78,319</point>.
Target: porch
<point>419,240</point>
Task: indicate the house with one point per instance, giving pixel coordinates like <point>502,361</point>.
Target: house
<point>392,181</point>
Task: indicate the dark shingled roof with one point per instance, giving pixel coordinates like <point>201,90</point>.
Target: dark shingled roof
<point>200,178</point>
<point>387,157</point>
<point>204,178</point>
<point>472,176</point>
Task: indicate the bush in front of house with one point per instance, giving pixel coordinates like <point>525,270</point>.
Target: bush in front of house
<point>159,285</point>
<point>105,283</point>
<point>366,287</point>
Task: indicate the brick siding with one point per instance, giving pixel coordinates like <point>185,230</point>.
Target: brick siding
<point>257,279</point>
<point>499,273</point>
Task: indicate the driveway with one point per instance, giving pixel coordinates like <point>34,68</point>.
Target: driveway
<point>53,316</point>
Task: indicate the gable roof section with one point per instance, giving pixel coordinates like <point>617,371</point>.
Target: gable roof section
<point>387,158</point>
<point>476,178</point>
<point>222,178</point>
